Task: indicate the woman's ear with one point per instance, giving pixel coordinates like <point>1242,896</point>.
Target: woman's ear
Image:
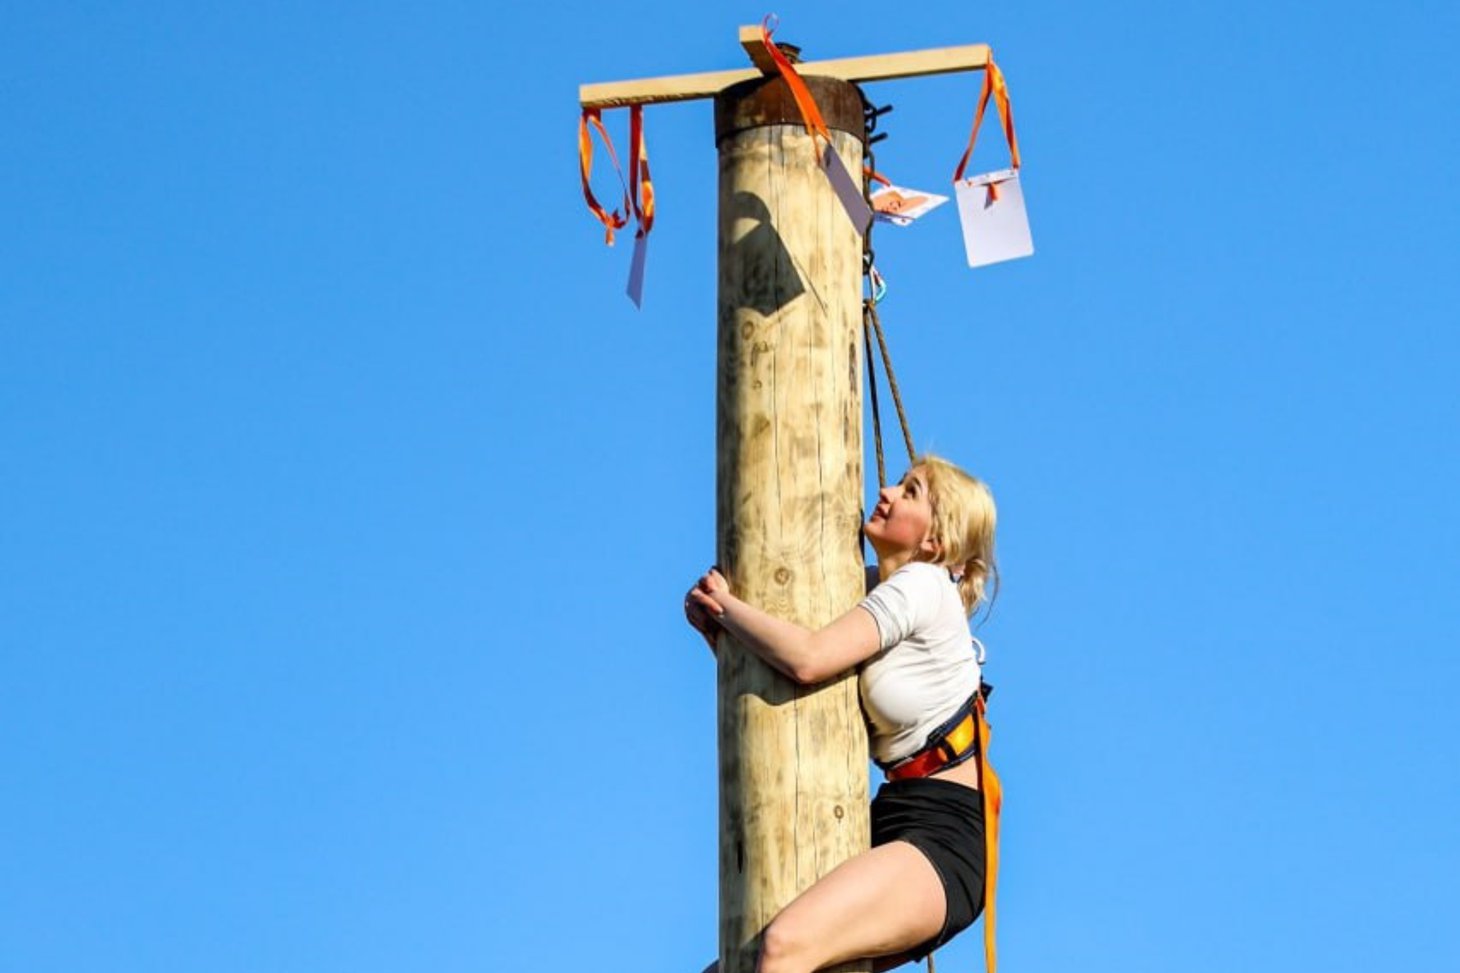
<point>931,548</point>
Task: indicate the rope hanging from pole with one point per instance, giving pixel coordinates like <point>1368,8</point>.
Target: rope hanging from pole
<point>871,322</point>
<point>871,314</point>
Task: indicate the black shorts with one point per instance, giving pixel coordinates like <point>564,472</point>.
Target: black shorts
<point>943,820</point>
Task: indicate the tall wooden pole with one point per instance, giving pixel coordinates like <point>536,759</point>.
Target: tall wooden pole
<point>793,760</point>
<point>793,767</point>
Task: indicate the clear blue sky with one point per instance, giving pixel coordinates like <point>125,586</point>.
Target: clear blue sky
<point>347,504</point>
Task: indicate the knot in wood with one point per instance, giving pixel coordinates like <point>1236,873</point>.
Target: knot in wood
<point>783,576</point>
<point>838,812</point>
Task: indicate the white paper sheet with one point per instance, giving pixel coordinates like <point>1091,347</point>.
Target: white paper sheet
<point>995,226</point>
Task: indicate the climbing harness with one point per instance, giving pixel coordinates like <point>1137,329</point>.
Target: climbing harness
<point>963,737</point>
<point>953,742</point>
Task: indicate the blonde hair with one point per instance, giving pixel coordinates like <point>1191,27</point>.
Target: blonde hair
<point>964,518</point>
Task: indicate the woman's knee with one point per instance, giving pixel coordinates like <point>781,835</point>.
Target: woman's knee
<point>781,949</point>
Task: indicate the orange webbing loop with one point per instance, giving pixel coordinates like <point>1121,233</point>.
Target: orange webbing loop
<point>993,84</point>
<point>993,800</point>
<point>641,187</point>
<point>810,114</point>
<point>614,220</point>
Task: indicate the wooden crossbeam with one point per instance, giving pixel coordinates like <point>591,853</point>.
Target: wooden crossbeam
<point>754,47</point>
<point>875,67</point>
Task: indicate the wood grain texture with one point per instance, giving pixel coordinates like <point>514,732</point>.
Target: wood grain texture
<point>793,760</point>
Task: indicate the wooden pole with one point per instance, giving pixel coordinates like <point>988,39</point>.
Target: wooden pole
<point>793,760</point>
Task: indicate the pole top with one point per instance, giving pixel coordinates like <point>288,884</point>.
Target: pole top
<point>768,101</point>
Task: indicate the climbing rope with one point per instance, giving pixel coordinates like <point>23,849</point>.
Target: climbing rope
<point>871,313</point>
<point>875,288</point>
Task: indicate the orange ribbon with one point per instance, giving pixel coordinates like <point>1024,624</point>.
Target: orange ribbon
<point>810,114</point>
<point>638,188</point>
<point>611,220</point>
<point>641,187</point>
<point>993,84</point>
<point>993,801</point>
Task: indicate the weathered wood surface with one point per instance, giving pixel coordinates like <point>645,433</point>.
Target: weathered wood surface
<point>793,761</point>
<point>875,67</point>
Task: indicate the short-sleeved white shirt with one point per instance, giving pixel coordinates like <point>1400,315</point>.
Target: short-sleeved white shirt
<point>927,667</point>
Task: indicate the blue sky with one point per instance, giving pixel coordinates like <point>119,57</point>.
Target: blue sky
<point>347,503</point>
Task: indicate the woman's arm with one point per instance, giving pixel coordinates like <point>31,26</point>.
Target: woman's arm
<point>802,655</point>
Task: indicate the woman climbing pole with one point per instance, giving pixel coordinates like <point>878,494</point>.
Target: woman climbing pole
<point>923,880</point>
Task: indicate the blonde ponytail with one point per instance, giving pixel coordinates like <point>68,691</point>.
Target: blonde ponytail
<point>977,580</point>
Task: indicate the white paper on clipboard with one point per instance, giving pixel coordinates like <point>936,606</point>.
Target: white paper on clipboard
<point>991,209</point>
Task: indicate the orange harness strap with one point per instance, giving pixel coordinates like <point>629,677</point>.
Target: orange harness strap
<point>993,800</point>
<point>970,733</point>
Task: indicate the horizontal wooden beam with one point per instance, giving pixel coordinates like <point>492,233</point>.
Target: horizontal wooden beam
<point>649,91</point>
<point>874,67</point>
<point>754,47</point>
<point>907,64</point>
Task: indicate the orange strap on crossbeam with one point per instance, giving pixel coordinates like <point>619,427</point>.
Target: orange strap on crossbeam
<point>612,220</point>
<point>993,801</point>
<point>995,86</point>
<point>816,126</point>
<point>810,114</point>
<point>641,187</point>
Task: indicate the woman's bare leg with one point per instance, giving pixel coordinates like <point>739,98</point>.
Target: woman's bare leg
<point>883,902</point>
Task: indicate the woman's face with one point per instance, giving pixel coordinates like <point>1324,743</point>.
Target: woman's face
<point>903,516</point>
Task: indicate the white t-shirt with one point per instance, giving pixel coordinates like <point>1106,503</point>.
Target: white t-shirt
<point>926,669</point>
